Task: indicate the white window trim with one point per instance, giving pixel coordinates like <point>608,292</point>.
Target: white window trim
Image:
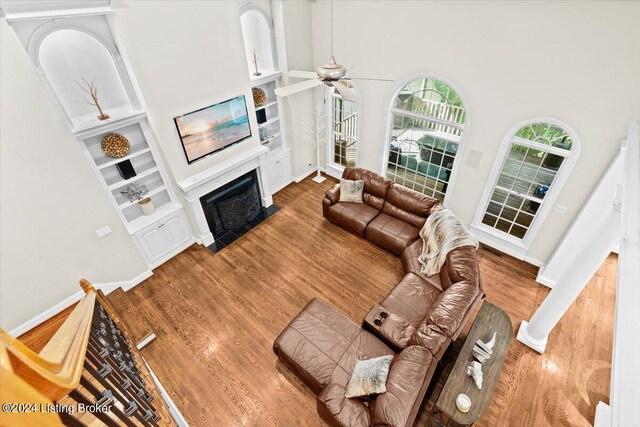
<point>389,127</point>
<point>331,168</point>
<point>499,239</point>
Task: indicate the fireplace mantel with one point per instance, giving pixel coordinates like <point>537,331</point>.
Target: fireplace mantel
<point>216,176</point>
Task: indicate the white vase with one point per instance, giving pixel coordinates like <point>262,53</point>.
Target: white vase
<point>147,206</point>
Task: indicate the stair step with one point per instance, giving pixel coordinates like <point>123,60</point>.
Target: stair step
<point>138,327</point>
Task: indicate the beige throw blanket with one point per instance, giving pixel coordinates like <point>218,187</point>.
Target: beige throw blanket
<point>442,233</point>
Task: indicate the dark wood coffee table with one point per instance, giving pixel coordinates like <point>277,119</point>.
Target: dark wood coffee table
<point>490,319</point>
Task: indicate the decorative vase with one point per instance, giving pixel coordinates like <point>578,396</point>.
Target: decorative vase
<point>259,97</point>
<point>147,206</point>
<point>115,145</point>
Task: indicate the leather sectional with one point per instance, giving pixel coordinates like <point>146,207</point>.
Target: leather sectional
<point>416,321</point>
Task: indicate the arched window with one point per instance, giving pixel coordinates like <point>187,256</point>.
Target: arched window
<point>257,32</point>
<point>534,161</point>
<point>426,129</point>
<point>343,129</point>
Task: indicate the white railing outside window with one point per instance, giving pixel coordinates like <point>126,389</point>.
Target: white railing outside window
<point>342,150</point>
<point>426,125</point>
<point>533,163</point>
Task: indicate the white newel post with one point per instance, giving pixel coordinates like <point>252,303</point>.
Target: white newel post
<point>595,249</point>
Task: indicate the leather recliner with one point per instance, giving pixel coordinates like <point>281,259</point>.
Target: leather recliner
<point>416,321</point>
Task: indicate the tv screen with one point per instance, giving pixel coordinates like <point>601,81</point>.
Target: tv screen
<point>213,128</point>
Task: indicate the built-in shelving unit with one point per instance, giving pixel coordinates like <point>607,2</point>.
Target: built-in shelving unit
<point>268,114</point>
<point>269,119</point>
<point>77,41</point>
<point>144,160</point>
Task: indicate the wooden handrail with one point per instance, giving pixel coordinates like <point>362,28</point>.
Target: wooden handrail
<point>56,370</point>
<point>89,360</point>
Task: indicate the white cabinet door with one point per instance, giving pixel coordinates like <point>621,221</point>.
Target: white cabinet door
<point>175,231</point>
<point>154,243</point>
<point>165,238</point>
<point>274,175</point>
<point>279,172</point>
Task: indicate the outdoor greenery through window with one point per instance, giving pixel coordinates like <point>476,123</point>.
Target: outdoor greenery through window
<point>344,128</point>
<point>536,154</point>
<point>428,120</point>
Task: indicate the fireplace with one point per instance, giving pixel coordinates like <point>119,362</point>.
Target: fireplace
<point>233,209</point>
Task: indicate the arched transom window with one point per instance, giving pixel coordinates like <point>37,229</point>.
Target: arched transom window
<point>532,165</point>
<point>427,123</point>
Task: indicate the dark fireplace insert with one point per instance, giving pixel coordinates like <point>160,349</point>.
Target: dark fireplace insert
<point>234,209</point>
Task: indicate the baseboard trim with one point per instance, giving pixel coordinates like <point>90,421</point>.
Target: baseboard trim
<point>281,186</point>
<point>543,280</point>
<point>107,288</point>
<point>46,315</point>
<point>333,171</point>
<point>305,174</point>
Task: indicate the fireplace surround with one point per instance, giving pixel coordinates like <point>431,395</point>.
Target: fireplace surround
<point>234,209</point>
<point>195,187</point>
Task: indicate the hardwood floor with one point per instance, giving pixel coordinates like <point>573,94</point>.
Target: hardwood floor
<point>217,315</point>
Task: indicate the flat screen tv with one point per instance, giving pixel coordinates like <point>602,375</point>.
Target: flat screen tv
<point>213,128</point>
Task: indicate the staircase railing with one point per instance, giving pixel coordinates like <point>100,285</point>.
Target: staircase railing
<point>87,374</point>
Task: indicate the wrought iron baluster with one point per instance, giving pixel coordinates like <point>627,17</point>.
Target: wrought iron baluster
<point>99,396</point>
<point>102,416</point>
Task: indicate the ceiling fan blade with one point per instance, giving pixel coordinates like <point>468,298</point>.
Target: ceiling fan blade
<point>302,74</point>
<point>298,87</point>
<point>344,92</point>
<point>365,78</point>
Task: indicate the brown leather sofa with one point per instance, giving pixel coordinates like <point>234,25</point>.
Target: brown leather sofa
<point>416,321</point>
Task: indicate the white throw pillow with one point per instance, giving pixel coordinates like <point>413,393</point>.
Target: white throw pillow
<point>351,191</point>
<point>369,377</point>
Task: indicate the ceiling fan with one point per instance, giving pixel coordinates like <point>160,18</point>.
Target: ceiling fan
<point>331,74</point>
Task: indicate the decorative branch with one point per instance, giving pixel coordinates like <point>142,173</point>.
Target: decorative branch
<point>91,91</point>
<point>254,58</point>
<point>315,131</point>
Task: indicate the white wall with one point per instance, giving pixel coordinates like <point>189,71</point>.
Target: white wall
<point>51,201</point>
<point>292,24</point>
<point>577,61</point>
<point>185,55</point>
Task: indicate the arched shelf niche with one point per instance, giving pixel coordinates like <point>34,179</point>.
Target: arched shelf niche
<point>66,57</point>
<point>258,35</point>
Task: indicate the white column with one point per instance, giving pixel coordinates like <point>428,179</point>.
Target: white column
<point>595,248</point>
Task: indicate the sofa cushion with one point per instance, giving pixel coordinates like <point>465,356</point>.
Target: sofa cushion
<point>391,233</point>
<point>338,410</point>
<point>314,342</point>
<point>462,265</point>
<point>405,307</point>
<point>375,186</point>
<point>411,299</point>
<point>409,376</point>
<point>447,316</point>
<point>353,217</point>
<point>410,264</point>
<point>364,346</point>
<point>321,346</point>
<point>408,205</point>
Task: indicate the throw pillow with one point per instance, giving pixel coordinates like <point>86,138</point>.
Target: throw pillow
<point>351,191</point>
<point>369,377</point>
